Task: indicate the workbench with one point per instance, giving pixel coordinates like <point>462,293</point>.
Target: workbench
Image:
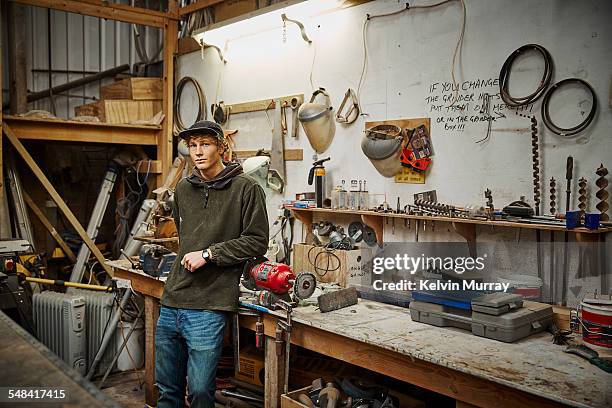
<point>27,363</point>
<point>383,338</point>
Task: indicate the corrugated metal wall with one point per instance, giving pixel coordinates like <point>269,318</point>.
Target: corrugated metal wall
<point>80,46</point>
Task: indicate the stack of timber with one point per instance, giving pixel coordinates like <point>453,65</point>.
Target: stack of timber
<point>126,101</point>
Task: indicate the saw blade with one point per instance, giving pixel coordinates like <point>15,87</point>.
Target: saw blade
<point>305,285</point>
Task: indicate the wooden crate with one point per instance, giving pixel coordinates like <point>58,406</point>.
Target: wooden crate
<point>290,400</point>
<point>347,268</point>
<point>120,110</point>
<point>133,88</point>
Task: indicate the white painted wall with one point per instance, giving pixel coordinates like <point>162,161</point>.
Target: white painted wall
<point>407,54</point>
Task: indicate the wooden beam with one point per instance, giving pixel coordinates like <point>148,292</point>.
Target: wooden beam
<point>275,372</point>
<point>151,316</point>
<point>55,196</point>
<point>263,104</point>
<point>164,143</point>
<point>198,5</point>
<point>106,10</point>
<point>5,228</point>
<point>82,132</point>
<point>18,86</point>
<point>290,154</point>
<point>47,224</point>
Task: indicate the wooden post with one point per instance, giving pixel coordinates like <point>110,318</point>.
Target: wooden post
<point>275,372</point>
<point>55,196</point>
<point>18,86</point>
<point>164,142</point>
<point>151,316</point>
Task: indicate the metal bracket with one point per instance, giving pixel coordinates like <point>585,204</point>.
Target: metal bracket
<point>353,110</point>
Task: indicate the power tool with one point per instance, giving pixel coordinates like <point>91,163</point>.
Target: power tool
<point>275,280</point>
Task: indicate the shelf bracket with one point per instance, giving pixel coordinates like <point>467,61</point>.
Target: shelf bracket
<point>467,231</point>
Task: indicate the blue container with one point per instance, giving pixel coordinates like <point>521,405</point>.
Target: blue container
<point>591,220</point>
<point>572,219</point>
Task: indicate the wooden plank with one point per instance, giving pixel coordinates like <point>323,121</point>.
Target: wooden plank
<point>55,195</point>
<point>275,368</point>
<point>187,45</point>
<point>28,363</point>
<point>165,141</point>
<point>491,224</point>
<point>198,5</point>
<point>87,132</point>
<point>141,282</point>
<point>290,154</point>
<point>151,317</point>
<point>106,10</point>
<point>263,104</point>
<point>133,88</point>
<point>47,224</point>
<point>231,9</point>
<point>149,166</point>
<point>120,110</point>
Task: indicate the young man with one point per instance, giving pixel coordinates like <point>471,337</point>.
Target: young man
<point>221,218</point>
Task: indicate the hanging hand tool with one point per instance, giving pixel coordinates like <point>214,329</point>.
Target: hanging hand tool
<point>553,210</point>
<point>535,153</point>
<point>277,152</point>
<point>295,105</point>
<point>602,194</point>
<point>582,196</point>
<point>568,191</point>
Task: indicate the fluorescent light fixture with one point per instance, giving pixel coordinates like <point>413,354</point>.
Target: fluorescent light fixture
<point>262,20</point>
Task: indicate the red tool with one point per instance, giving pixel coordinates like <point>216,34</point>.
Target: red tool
<point>277,278</point>
<point>408,159</point>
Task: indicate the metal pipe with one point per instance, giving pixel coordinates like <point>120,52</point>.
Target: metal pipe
<point>123,345</point>
<point>70,284</point>
<point>77,83</point>
<point>108,335</point>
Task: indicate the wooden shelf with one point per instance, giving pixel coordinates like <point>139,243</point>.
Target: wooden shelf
<point>75,131</point>
<point>464,226</point>
<point>510,224</point>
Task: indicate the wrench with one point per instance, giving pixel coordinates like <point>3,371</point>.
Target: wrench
<point>295,105</point>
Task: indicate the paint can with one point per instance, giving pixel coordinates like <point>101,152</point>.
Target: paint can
<point>530,287</point>
<point>596,314</point>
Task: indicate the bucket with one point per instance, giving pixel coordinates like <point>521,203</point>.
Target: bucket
<point>597,321</point>
<point>135,346</point>
<point>530,287</point>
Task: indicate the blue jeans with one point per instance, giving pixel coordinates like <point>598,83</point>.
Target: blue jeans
<point>187,349</point>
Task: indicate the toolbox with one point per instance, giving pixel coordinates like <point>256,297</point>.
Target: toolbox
<point>497,303</point>
<point>532,318</point>
<point>440,315</point>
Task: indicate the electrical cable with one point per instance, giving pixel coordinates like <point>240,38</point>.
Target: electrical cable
<point>202,113</point>
<point>328,251</point>
<point>571,131</point>
<point>409,7</point>
<point>504,76</point>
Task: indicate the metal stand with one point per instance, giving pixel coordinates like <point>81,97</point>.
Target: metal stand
<point>94,224</point>
<point>21,220</point>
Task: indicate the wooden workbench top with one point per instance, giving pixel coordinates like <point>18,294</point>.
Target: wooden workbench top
<point>533,365</point>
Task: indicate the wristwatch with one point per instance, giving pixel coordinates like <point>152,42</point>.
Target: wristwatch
<point>206,255</point>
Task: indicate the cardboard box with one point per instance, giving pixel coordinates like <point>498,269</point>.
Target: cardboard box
<point>339,266</point>
<point>251,367</point>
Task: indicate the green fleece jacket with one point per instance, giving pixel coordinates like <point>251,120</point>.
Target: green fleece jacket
<point>226,215</point>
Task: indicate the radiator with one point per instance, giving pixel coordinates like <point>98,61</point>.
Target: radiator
<point>98,309</point>
<point>60,322</point>
<point>95,310</point>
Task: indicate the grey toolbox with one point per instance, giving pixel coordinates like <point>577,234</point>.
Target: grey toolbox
<point>497,303</point>
<point>440,315</point>
<point>532,318</point>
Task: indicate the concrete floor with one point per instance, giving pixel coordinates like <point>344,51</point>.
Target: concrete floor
<point>123,387</point>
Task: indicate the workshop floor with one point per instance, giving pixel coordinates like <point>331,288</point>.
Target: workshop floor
<point>123,387</point>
